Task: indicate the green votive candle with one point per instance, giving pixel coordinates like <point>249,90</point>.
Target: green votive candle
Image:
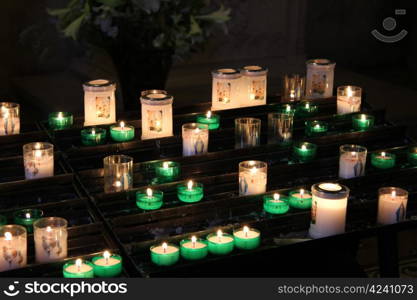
<point>122,132</point>
<point>26,217</point>
<point>165,254</point>
<point>306,109</point>
<point>412,156</point>
<point>220,243</point>
<point>276,204</point>
<point>287,108</point>
<point>149,199</point>
<point>167,171</point>
<point>300,199</point>
<point>194,249</point>
<point>362,122</point>
<point>383,160</point>
<point>93,136</point>
<point>212,120</point>
<point>190,192</point>
<point>304,151</point>
<point>247,238</point>
<point>316,128</point>
<point>3,220</point>
<point>107,265</point>
<point>60,120</point>
<point>78,269</point>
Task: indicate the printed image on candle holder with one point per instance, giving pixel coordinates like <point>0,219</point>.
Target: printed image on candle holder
<point>412,156</point>
<point>247,132</point>
<point>352,161</point>
<point>93,136</point>
<point>348,99</point>
<point>26,217</point>
<point>293,87</point>
<point>13,247</point>
<point>195,138</point>
<point>51,239</point>
<point>316,128</point>
<point>118,173</point>
<point>252,177</point>
<point>226,89</point>
<point>60,120</point>
<point>280,128</point>
<point>99,102</point>
<point>320,75</point>
<point>276,204</point>
<point>254,85</point>
<point>9,118</point>
<point>362,122</point>
<point>38,160</point>
<point>392,205</point>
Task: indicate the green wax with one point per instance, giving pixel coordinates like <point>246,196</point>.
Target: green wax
<point>412,156</point>
<point>60,120</point>
<point>82,274</point>
<point>383,160</point>
<point>300,200</point>
<point>93,136</point>
<point>362,122</point>
<point>220,246</point>
<point>306,109</point>
<point>316,128</point>
<point>195,194</point>
<point>26,218</point>
<point>287,108</point>
<point>276,206</point>
<point>304,151</point>
<point>3,220</point>
<point>247,240</point>
<point>145,202</point>
<point>167,171</point>
<point>165,258</point>
<point>122,133</point>
<point>112,269</point>
<point>194,251</point>
<point>213,122</point>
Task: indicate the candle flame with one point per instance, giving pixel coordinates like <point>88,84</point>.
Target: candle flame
<point>393,193</point>
<point>383,154</point>
<point>349,91</point>
<point>60,115</point>
<point>164,246</point>
<point>165,165</point>
<point>149,192</point>
<point>353,153</point>
<point>117,184</point>
<point>219,233</point>
<point>276,196</point>
<point>37,146</point>
<point>288,108</point>
<point>292,94</point>
<point>301,193</point>
<point>253,170</point>
<point>252,96</point>
<point>7,236</point>
<point>190,184</point>
<point>106,255</point>
<point>317,126</point>
<point>93,131</point>
<point>27,215</point>
<point>197,130</point>
<point>193,239</point>
<point>246,230</point>
<point>78,263</point>
<point>122,124</point>
<point>208,115</point>
<point>303,147</point>
<point>307,105</point>
<point>363,117</point>
<point>48,229</point>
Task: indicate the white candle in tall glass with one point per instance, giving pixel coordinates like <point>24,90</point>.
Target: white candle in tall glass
<point>392,205</point>
<point>226,89</point>
<point>253,85</point>
<point>352,161</point>
<point>13,247</point>
<point>51,239</point>
<point>252,177</point>
<point>195,138</point>
<point>9,118</point>
<point>320,75</point>
<point>328,210</point>
<point>99,102</point>
<point>348,99</point>
<point>38,160</point>
<point>118,173</point>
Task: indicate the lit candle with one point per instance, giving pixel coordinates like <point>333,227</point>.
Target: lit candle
<point>276,204</point>
<point>99,102</point>
<point>320,75</point>
<point>392,205</point>
<point>352,161</point>
<point>252,177</point>
<point>247,238</point>
<point>383,160</point>
<point>348,99</point>
<point>149,199</point>
<point>195,138</point>
<point>300,199</point>
<point>306,109</point>
<point>190,192</point>
<point>9,118</point>
<point>38,160</point>
<point>118,173</point>
<point>194,249</point>
<point>51,239</point>
<point>165,254</point>
<point>412,156</point>
<point>167,171</point>
<point>107,265</point>
<point>220,243</point>
<point>304,151</point>
<point>280,128</point>
<point>13,245</point>
<point>362,122</point>
<point>26,217</point>
<point>211,120</point>
<point>60,120</point>
<point>122,133</point>
<point>226,89</point>
<point>316,128</point>
<point>287,108</point>
<point>93,136</point>
<point>253,86</point>
<point>78,269</point>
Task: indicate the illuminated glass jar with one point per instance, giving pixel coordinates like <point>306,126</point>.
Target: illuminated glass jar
<point>252,177</point>
<point>99,102</point>
<point>328,211</point>
<point>195,139</point>
<point>392,205</point>
<point>253,85</point>
<point>38,159</point>
<point>280,128</point>
<point>156,114</point>
<point>352,161</point>
<point>320,75</point>
<point>293,88</point>
<point>13,245</point>
<point>348,99</point>
<point>118,173</point>
<point>226,89</point>
<point>9,118</point>
<point>51,239</point>
<point>247,132</point>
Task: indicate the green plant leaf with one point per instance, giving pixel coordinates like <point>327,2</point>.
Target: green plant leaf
<point>112,3</point>
<point>74,27</point>
<point>221,15</point>
<point>58,12</point>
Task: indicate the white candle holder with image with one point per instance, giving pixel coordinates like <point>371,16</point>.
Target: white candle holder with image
<point>99,102</point>
<point>252,177</point>
<point>118,173</point>
<point>195,139</point>
<point>13,247</point>
<point>38,159</point>
<point>51,239</point>
<point>392,205</point>
<point>9,118</point>
<point>254,83</point>
<point>352,161</point>
<point>226,89</point>
<point>320,76</point>
<point>348,99</point>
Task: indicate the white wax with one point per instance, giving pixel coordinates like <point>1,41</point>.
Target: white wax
<point>253,90</point>
<point>226,93</point>
<point>252,183</point>
<point>319,83</point>
<point>78,269</point>
<point>352,165</point>
<point>194,142</point>
<point>347,105</point>
<point>391,209</point>
<point>302,196</point>
<point>196,245</point>
<point>168,250</point>
<point>13,253</point>
<point>222,240</point>
<point>106,262</point>
<point>50,246</point>
<point>156,121</point>
<point>9,125</point>
<point>39,167</point>
<point>99,108</point>
<point>246,235</point>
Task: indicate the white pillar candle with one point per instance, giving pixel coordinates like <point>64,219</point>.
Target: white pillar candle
<point>328,211</point>
<point>253,85</point>
<point>195,138</point>
<point>252,177</point>
<point>320,74</point>
<point>226,89</point>
<point>13,247</point>
<point>99,102</point>
<point>348,99</point>
<point>352,161</point>
<point>9,118</point>
<point>38,160</point>
<point>51,239</point>
<point>392,205</point>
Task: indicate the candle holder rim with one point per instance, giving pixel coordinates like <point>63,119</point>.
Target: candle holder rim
<point>44,146</point>
<point>160,245</point>
<point>65,114</point>
<point>247,121</point>
<point>94,83</point>
<point>152,91</point>
<point>21,213</point>
<point>387,154</point>
<point>195,184</point>
<point>21,230</point>
<point>321,62</point>
<point>113,255</point>
<point>194,125</point>
<point>312,123</point>
<point>127,125</point>
<point>225,72</point>
<point>154,192</point>
<point>318,191</point>
<point>119,159</point>
<point>188,240</point>
<point>354,88</point>
<point>309,146</point>
<point>147,98</point>
<point>388,189</point>
<point>253,70</point>
<point>357,148</point>
<point>276,115</point>
<point>98,130</point>
<point>250,229</point>
<point>58,222</point>
<point>224,234</point>
<point>306,192</point>
<point>248,164</point>
<point>269,197</point>
<point>359,116</point>
<point>171,164</point>
<point>10,105</point>
<point>73,262</point>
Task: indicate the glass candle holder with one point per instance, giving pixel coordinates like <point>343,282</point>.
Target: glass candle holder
<point>348,99</point>
<point>156,110</point>
<point>280,128</point>
<point>412,156</point>
<point>247,238</point>
<point>51,239</point>
<point>13,245</point>
<point>304,151</point>
<point>300,199</point>
<point>3,220</point>
<point>328,213</point>
<point>165,254</point>
<point>60,120</point>
<point>293,87</point>
<point>93,136</point>
<point>254,85</point>
<point>194,249</point>
<point>247,132</point>
<point>190,192</point>
<point>306,109</point>
<point>352,161</point>
<point>362,122</point>
<point>320,75</point>
<point>122,132</point>
<point>195,138</point>
<point>78,269</point>
<point>220,243</point>
<point>26,217</point>
<point>118,173</point>
<point>383,160</point>
<point>392,205</point>
<point>276,204</point>
<point>226,89</point>
<point>9,118</point>
<point>210,119</point>
<point>107,265</point>
<point>287,108</point>
<point>149,199</point>
<point>38,160</point>
<point>167,171</point>
<point>316,128</point>
<point>252,177</point>
<point>99,102</point>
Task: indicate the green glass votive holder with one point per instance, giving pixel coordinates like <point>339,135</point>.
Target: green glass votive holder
<point>306,109</point>
<point>165,254</point>
<point>287,109</point>
<point>26,218</point>
<point>194,249</point>
<point>212,120</point>
<point>167,171</point>
<point>362,122</point>
<point>316,128</point>
<point>383,160</point>
<point>220,243</point>
<point>276,204</point>
<point>300,199</point>
<point>149,199</point>
<point>247,238</point>
<point>304,151</point>
<point>122,132</point>
<point>412,156</point>
<point>3,220</point>
<point>107,265</point>
<point>93,136</point>
<point>78,269</point>
<point>60,120</point>
<point>190,192</point>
